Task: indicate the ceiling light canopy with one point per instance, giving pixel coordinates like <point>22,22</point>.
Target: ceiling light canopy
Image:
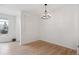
<point>45,15</point>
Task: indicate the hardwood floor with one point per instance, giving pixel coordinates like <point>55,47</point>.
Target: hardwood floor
<point>34,48</point>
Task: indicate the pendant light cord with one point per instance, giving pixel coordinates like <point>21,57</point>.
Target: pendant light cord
<point>45,9</point>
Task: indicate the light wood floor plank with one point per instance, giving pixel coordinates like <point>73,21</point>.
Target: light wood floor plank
<point>35,48</point>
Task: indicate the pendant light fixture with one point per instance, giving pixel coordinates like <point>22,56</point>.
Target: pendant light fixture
<point>46,15</point>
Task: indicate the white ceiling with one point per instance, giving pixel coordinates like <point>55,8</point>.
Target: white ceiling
<point>13,8</point>
<point>28,7</point>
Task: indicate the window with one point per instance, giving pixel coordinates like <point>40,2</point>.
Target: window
<point>3,26</point>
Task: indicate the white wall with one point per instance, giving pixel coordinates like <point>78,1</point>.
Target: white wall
<point>62,28</point>
<point>29,27</point>
<point>11,29</point>
<point>78,32</point>
<point>12,33</point>
<point>18,27</point>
